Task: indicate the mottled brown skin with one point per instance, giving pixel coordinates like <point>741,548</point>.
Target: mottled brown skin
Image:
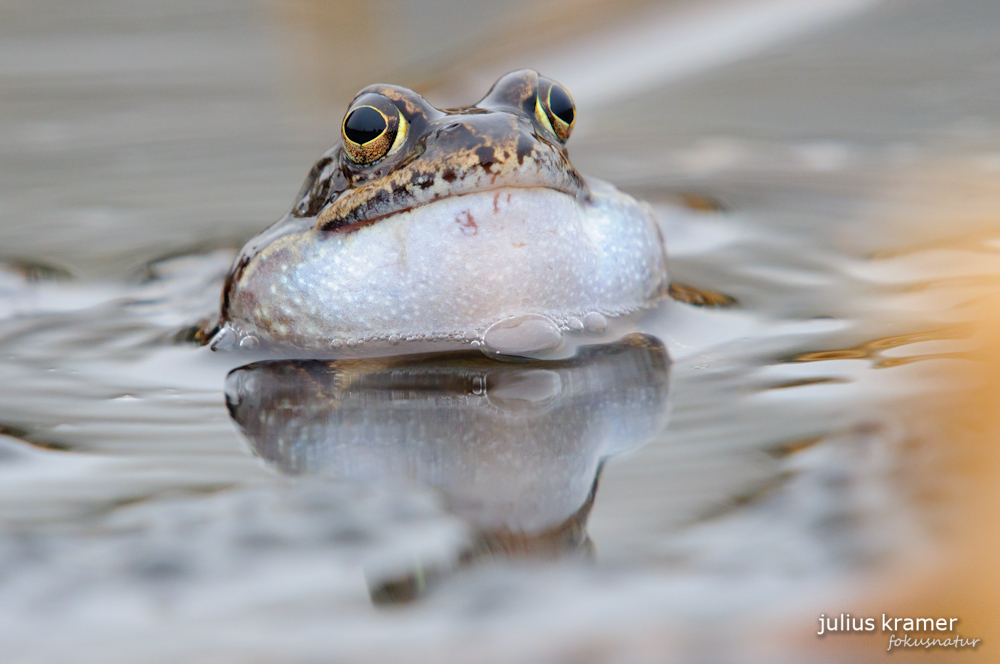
<point>496,142</point>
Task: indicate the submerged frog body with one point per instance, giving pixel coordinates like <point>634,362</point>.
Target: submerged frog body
<point>440,225</point>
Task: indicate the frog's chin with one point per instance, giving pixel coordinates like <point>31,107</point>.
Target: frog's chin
<point>452,269</point>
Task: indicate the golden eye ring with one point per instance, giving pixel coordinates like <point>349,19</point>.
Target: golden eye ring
<point>373,128</point>
<point>555,109</point>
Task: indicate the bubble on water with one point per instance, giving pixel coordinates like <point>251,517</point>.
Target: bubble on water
<point>469,335</point>
<point>595,322</point>
<point>523,334</point>
<point>476,343</point>
<point>224,340</point>
<point>249,342</point>
<point>394,339</point>
<point>336,344</point>
<point>352,342</point>
<point>478,385</point>
<point>575,324</point>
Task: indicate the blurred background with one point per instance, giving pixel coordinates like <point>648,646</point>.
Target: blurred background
<point>833,166</point>
<point>128,127</point>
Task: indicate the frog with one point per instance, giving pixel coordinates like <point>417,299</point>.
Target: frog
<point>455,226</point>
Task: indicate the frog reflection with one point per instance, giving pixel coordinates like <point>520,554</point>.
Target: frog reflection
<point>515,449</point>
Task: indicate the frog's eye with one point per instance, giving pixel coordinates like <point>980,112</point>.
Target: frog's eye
<point>555,109</point>
<point>373,128</point>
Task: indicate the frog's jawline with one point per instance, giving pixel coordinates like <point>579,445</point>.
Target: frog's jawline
<point>358,225</point>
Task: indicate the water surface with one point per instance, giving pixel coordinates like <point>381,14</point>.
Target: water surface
<point>691,484</point>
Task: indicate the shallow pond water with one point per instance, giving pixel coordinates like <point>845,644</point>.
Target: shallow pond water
<point>688,484</point>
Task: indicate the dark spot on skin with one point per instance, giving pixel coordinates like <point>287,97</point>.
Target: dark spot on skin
<point>467,223</point>
<point>457,136</point>
<point>524,148</point>
<point>449,176</point>
<point>487,157</point>
<point>399,191</point>
<point>231,278</point>
<point>425,182</point>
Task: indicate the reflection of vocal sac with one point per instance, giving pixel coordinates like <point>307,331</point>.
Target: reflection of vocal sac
<point>513,447</point>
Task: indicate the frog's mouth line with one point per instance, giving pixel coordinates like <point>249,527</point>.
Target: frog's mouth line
<point>358,225</point>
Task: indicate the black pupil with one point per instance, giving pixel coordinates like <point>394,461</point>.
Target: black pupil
<point>560,104</point>
<point>364,124</point>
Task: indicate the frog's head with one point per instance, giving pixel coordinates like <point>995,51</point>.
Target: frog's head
<point>397,152</point>
<point>423,223</point>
